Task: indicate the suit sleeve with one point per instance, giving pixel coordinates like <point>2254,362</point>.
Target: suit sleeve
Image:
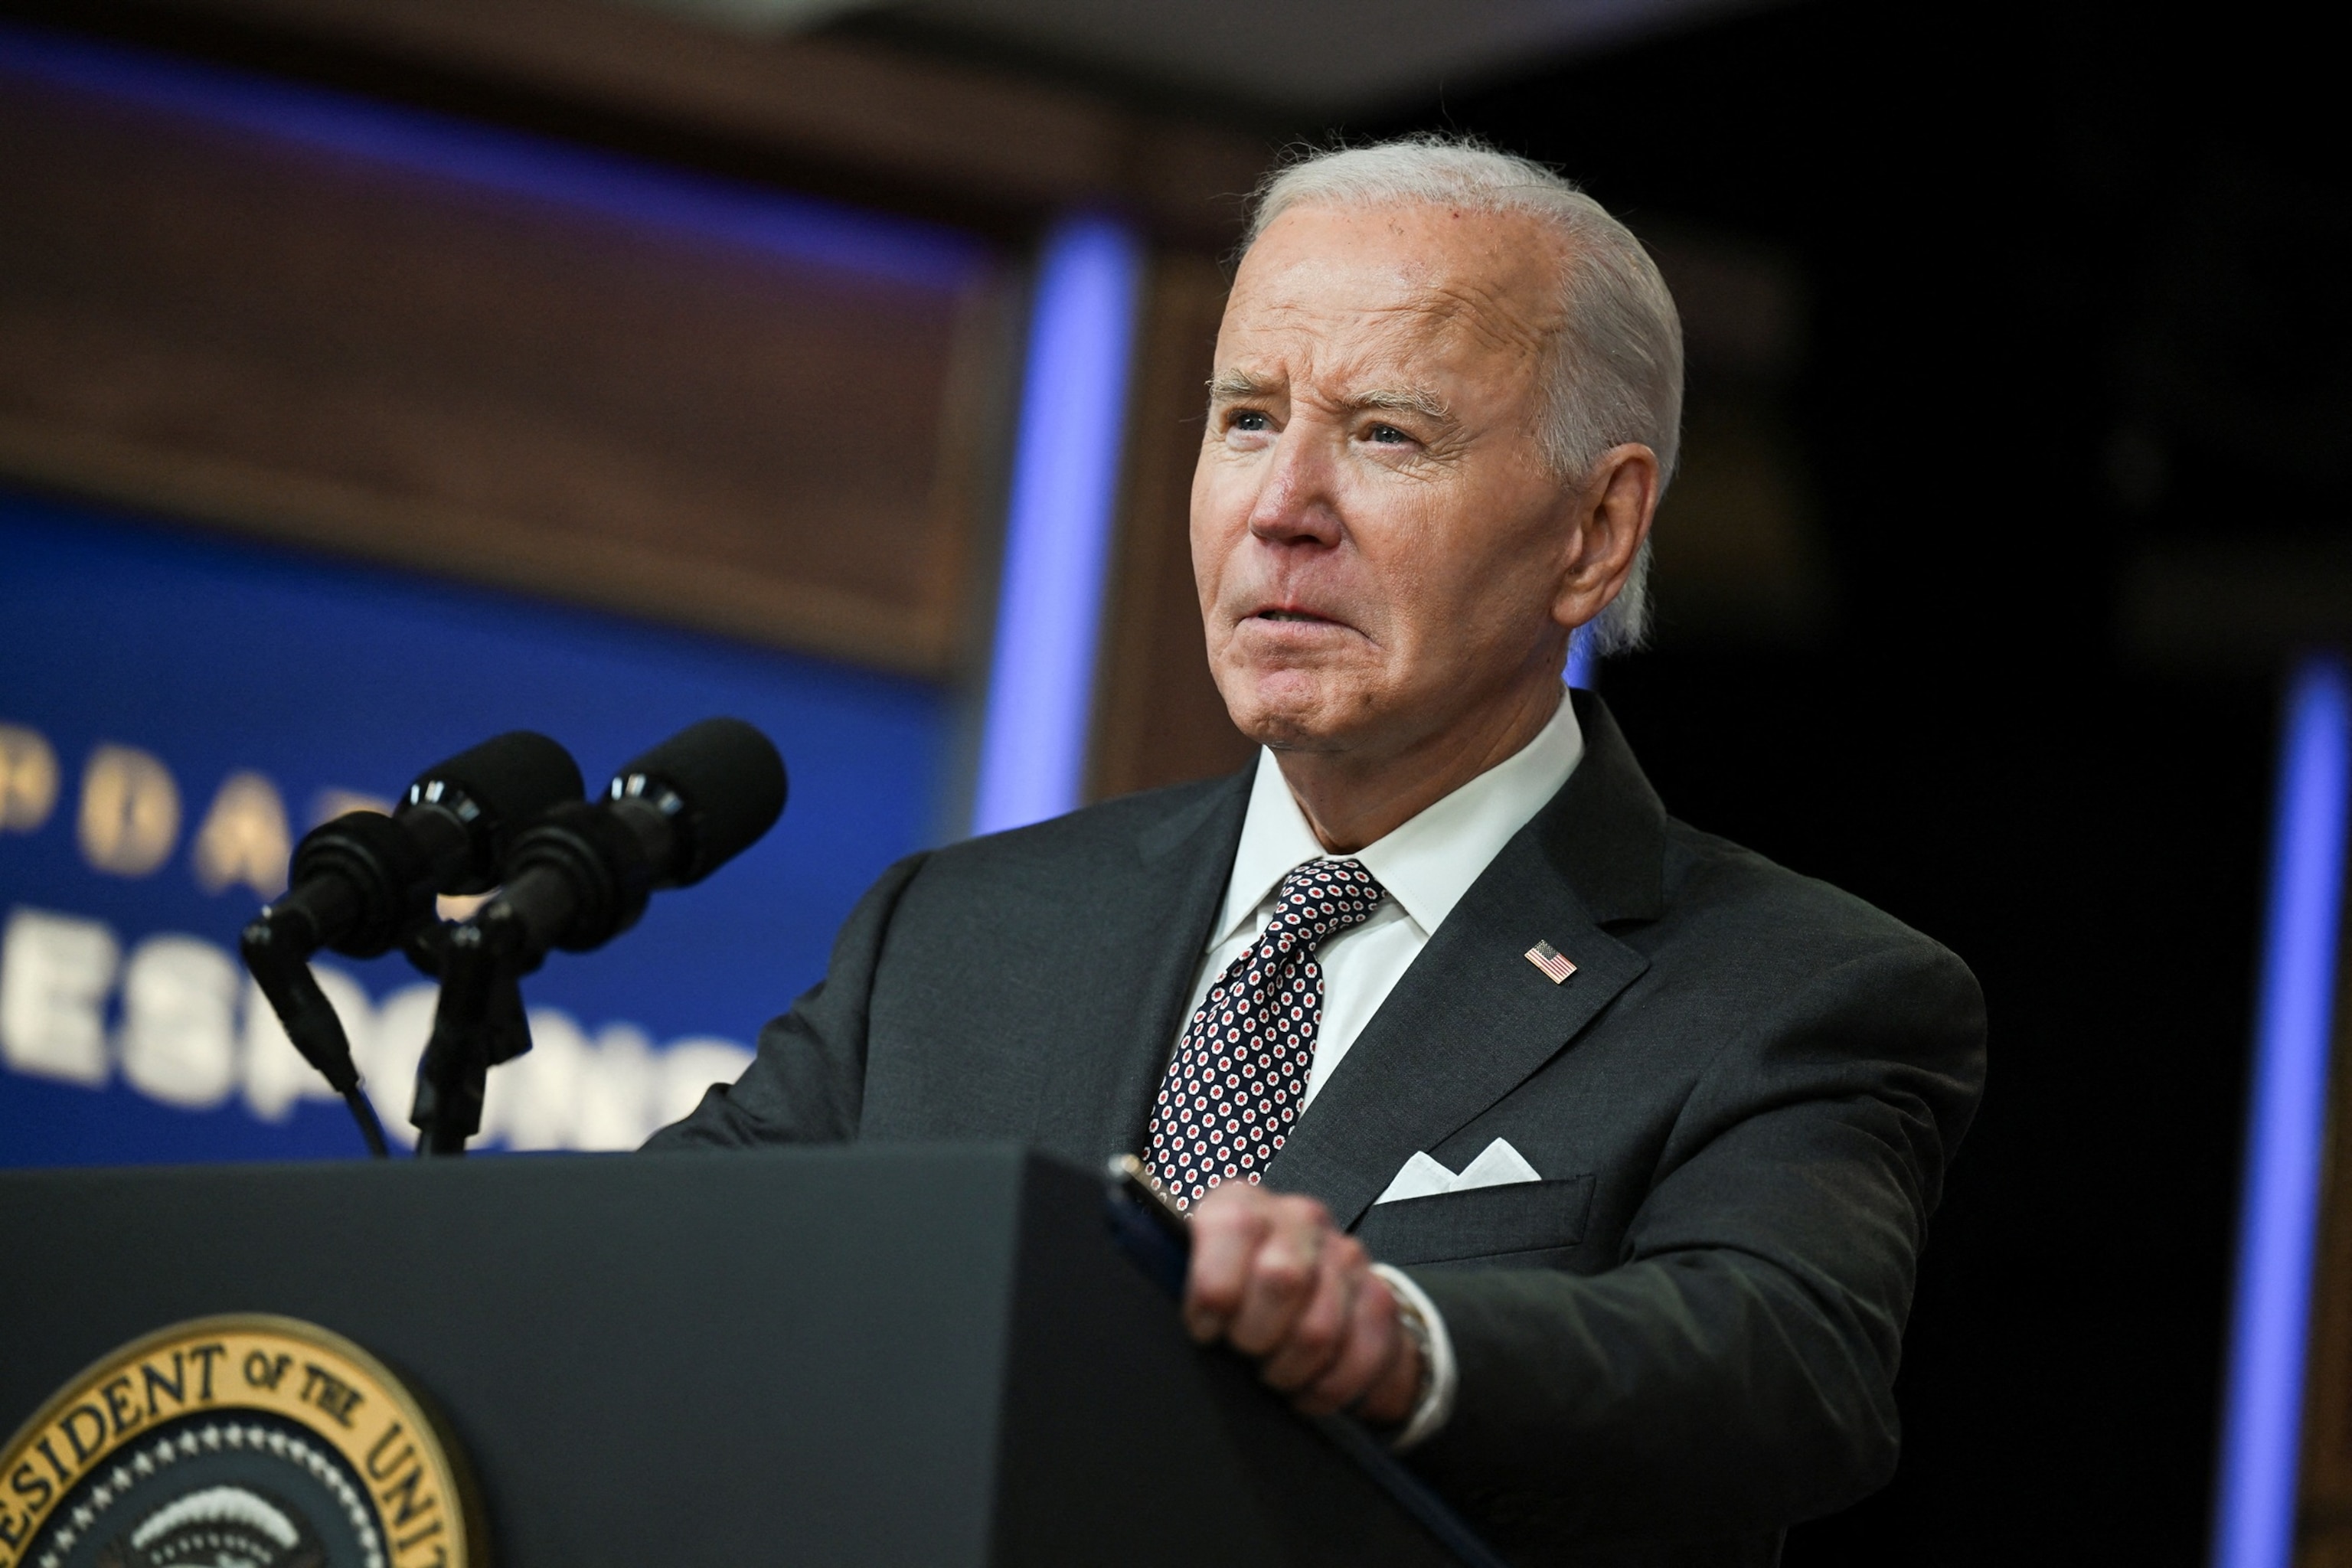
<point>1735,1371</point>
<point>807,1084</point>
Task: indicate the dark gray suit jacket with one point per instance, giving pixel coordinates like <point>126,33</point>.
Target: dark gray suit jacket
<point>1743,1101</point>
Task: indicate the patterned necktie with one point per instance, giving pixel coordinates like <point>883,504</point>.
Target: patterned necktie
<point>1239,1079</point>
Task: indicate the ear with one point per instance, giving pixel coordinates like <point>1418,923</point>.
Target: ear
<point>1609,520</point>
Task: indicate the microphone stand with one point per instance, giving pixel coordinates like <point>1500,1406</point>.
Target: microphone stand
<point>278,944</point>
<point>477,1024</point>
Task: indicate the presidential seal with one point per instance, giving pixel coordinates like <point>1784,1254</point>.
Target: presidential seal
<point>235,1442</point>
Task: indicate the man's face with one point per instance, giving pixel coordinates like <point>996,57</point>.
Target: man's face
<point>1376,537</point>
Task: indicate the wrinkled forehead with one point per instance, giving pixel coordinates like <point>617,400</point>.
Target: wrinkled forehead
<point>1327,289</point>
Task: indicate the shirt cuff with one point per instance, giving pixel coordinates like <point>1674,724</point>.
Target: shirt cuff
<point>1442,1376</point>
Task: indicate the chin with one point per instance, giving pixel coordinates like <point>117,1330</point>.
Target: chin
<point>1291,709</point>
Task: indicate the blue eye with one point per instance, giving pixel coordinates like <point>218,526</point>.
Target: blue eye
<point>1387,434</point>
<point>1252,420</point>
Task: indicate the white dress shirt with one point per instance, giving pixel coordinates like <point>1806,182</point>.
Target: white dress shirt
<point>1426,865</point>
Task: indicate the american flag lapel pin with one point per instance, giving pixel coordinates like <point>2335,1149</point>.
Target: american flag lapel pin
<point>1547,958</point>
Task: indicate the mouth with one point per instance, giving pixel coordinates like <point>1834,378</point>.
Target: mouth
<point>1303,617</point>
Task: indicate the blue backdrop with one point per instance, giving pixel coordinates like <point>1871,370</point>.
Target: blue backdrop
<point>144,669</point>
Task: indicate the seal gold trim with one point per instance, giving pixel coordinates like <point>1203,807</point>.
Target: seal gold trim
<point>187,1383</point>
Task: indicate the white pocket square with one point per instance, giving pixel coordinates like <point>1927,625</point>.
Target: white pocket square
<point>1423,1177</point>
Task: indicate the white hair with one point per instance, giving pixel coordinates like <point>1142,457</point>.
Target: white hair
<point>1617,358</point>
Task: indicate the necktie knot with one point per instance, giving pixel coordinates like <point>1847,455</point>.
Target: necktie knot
<point>1320,897</point>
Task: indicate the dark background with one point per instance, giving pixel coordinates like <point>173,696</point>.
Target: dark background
<point>2075,296</point>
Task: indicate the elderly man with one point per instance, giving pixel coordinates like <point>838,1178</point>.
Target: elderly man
<point>1588,1154</point>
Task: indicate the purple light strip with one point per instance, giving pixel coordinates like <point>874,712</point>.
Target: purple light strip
<point>1583,664</point>
<point>1032,752</point>
<point>508,162</point>
<point>2263,1419</point>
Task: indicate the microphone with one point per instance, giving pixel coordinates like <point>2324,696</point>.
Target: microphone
<point>579,876</point>
<point>575,879</point>
<point>364,881</point>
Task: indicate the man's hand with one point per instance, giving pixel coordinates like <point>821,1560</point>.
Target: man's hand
<point>1273,1274</point>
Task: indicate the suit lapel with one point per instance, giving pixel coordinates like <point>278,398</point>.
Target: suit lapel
<point>1178,875</point>
<point>1472,1017</point>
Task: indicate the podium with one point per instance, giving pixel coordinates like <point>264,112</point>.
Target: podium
<point>919,1355</point>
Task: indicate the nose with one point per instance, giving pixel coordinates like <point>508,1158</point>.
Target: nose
<point>1295,500</point>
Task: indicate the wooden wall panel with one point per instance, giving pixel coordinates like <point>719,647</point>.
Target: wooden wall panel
<point>924,133</point>
<point>2323,1528</point>
<point>1159,717</point>
<point>337,351</point>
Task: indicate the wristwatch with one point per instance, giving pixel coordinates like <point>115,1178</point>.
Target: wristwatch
<point>1416,1328</point>
<point>1433,1395</point>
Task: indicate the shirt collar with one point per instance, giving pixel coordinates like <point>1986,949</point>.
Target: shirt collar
<point>1428,862</point>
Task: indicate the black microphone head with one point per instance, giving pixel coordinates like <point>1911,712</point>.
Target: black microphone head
<point>360,881</point>
<point>722,784</point>
<point>495,789</point>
